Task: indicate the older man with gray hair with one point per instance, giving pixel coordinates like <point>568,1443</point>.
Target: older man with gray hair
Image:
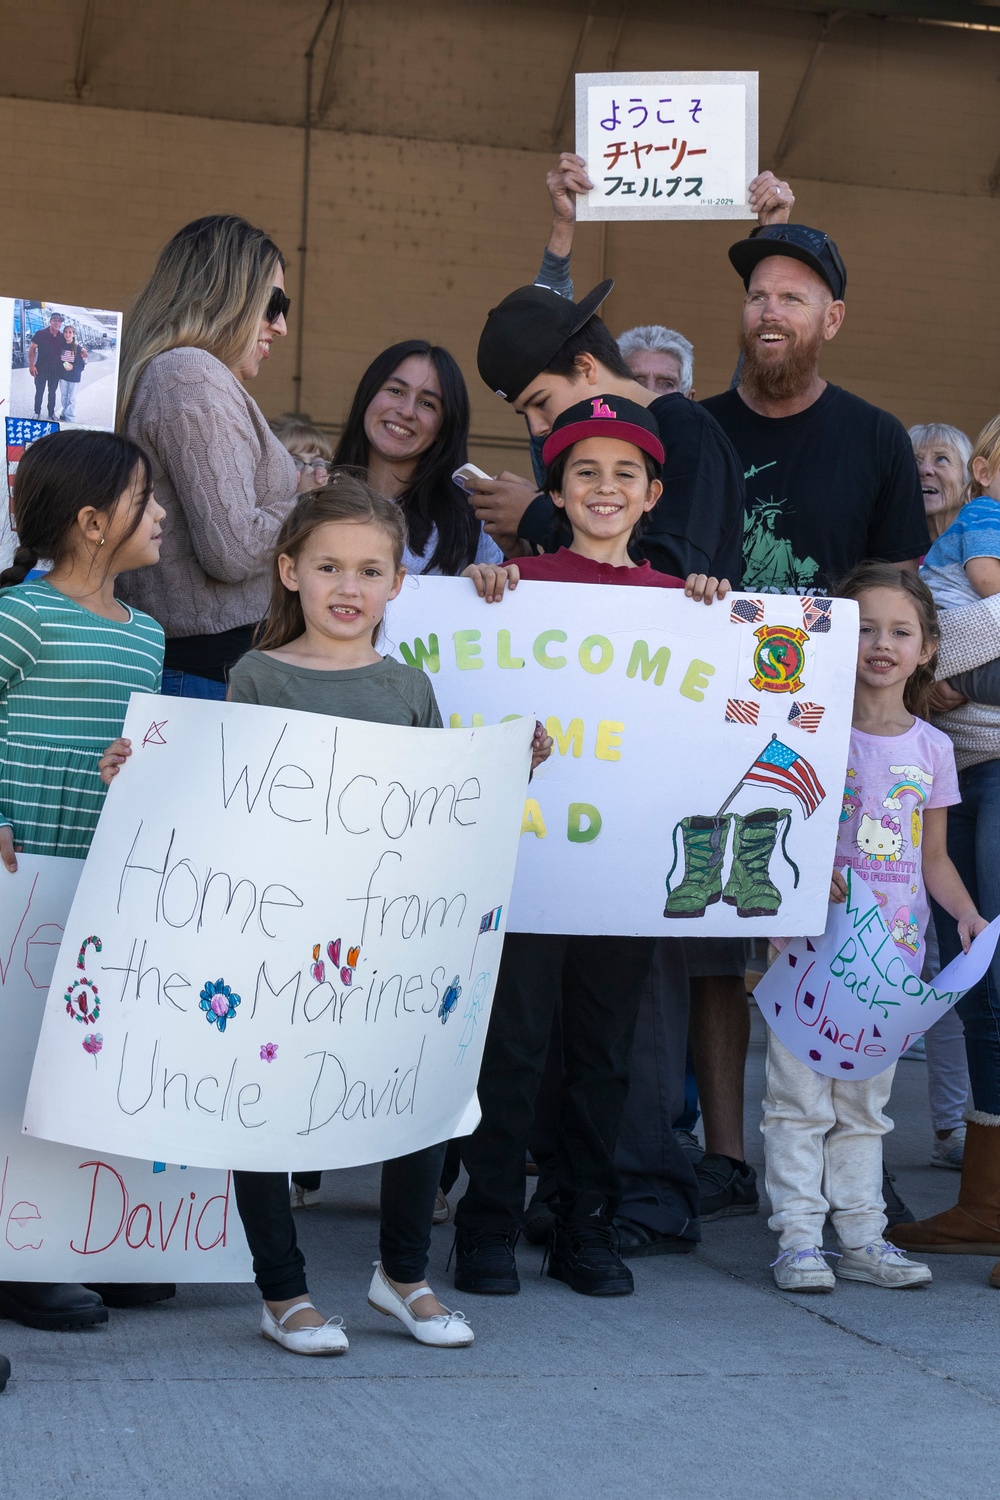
<point>661,359</point>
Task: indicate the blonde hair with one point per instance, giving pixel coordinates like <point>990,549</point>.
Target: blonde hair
<point>348,497</point>
<point>986,447</point>
<point>299,436</point>
<point>209,290</point>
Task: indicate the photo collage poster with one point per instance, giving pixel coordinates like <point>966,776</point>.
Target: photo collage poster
<point>58,371</point>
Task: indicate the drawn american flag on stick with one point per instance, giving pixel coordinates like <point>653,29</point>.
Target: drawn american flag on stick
<point>779,766</point>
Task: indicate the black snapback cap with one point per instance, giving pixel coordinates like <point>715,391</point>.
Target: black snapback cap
<point>526,330</point>
<point>810,246</point>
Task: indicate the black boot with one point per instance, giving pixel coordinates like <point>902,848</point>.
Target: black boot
<point>485,1264</point>
<point>55,1306</point>
<point>896,1211</point>
<point>4,1371</point>
<point>132,1293</point>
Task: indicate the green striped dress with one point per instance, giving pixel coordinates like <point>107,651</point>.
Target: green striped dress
<point>66,675</point>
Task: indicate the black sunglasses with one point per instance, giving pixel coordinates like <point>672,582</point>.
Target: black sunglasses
<point>278,305</point>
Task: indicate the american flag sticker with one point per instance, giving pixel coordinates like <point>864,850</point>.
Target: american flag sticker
<point>743,711</point>
<point>747,611</point>
<point>816,614</point>
<point>806,716</point>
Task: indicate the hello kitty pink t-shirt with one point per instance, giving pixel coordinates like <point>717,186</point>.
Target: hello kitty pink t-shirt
<point>891,780</point>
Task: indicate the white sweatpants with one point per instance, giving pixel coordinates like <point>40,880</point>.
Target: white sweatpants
<point>823,1152</point>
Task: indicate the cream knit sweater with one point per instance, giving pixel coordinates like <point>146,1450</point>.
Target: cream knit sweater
<point>969,638</point>
<point>226,484</point>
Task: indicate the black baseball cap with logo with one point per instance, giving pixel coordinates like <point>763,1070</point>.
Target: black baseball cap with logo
<point>525,332</point>
<point>810,246</point>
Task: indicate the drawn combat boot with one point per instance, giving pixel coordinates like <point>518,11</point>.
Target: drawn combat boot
<point>704,842</point>
<point>750,887</point>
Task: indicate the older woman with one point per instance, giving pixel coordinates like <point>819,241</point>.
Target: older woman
<point>942,454</point>
<point>970,638</point>
<point>199,331</point>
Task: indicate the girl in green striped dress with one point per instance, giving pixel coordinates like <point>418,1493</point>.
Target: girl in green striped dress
<point>70,652</point>
<point>70,656</point>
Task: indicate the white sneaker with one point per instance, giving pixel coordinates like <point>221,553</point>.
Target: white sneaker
<point>804,1270</point>
<point>883,1265</point>
<point>301,1197</point>
<point>448,1330</point>
<point>950,1151</point>
<point>326,1338</point>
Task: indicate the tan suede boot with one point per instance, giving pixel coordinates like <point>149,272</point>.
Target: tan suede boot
<point>972,1227</point>
<point>995,1276</point>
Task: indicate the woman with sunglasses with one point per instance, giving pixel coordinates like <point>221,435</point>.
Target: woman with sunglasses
<point>200,329</point>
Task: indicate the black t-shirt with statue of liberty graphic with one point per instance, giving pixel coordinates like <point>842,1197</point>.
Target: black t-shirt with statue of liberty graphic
<point>828,488</point>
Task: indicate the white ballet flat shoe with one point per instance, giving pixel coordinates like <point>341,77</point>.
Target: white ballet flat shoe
<point>442,1330</point>
<point>326,1338</point>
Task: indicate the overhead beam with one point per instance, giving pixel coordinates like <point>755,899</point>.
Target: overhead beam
<point>568,88</point>
<point>794,113</point>
<point>934,12</point>
<point>80,86</point>
<point>326,92</point>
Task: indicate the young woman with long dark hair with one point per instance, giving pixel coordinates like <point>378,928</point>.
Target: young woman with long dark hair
<point>407,431</point>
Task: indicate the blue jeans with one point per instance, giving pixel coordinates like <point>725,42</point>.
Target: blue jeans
<point>973,842</point>
<point>187,685</point>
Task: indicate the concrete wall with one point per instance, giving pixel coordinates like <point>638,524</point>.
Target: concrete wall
<point>421,237</point>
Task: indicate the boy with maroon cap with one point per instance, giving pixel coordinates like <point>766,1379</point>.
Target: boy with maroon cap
<point>604,458</point>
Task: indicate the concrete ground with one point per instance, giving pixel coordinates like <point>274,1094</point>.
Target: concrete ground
<point>708,1384</point>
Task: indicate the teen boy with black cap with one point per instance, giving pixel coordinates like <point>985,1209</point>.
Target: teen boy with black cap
<point>543,353</point>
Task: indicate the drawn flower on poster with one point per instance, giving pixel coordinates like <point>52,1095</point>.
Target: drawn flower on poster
<point>219,1003</point>
<point>269,1052</point>
<point>92,1044</point>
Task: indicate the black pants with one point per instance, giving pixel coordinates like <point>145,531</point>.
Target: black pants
<point>41,381</point>
<point>597,982</point>
<point>658,1185</point>
<point>409,1187</point>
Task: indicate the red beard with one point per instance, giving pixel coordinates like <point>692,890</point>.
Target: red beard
<point>767,378</point>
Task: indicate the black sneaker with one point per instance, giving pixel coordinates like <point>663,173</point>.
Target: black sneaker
<point>539,1221</point>
<point>584,1256</point>
<point>484,1263</point>
<point>896,1211</point>
<point>726,1189</point>
<point>635,1240</point>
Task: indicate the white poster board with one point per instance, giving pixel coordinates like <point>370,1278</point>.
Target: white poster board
<point>287,932</point>
<point>72,1215</point>
<point>847,1004</point>
<point>30,408</point>
<point>667,145</point>
<point>698,749</point>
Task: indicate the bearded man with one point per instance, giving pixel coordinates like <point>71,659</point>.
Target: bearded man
<point>830,481</point>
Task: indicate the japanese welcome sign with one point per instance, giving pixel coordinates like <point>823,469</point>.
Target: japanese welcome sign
<point>286,937</point>
<point>847,1004</point>
<point>700,752</point>
<point>68,1214</point>
<point>667,145</point>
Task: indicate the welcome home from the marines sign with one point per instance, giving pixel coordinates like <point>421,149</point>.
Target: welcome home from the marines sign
<point>286,937</point>
<point>700,751</point>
